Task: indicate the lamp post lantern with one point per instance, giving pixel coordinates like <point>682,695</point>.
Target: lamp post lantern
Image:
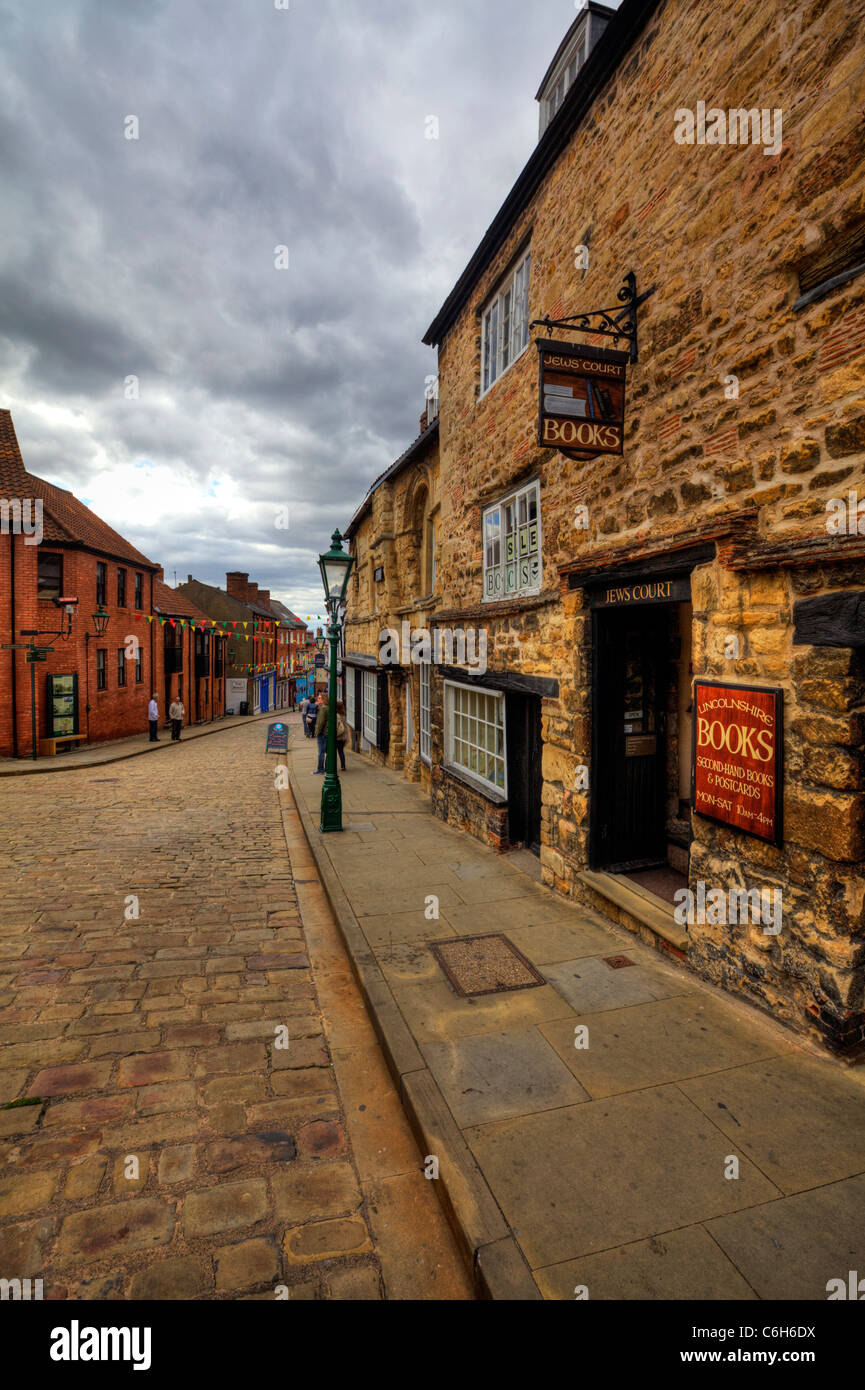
<point>100,620</point>
<point>335,568</point>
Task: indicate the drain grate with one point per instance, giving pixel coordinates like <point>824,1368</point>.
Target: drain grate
<point>487,964</point>
<point>616,962</point>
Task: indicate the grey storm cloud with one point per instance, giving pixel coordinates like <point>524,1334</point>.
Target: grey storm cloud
<point>155,258</point>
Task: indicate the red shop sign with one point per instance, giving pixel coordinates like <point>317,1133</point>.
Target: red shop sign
<point>737,764</point>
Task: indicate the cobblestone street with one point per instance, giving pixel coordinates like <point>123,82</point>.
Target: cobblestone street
<point>163,934</point>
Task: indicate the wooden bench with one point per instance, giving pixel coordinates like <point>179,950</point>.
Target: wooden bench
<point>48,746</point>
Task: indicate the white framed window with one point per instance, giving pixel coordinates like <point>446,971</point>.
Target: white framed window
<point>563,78</point>
<point>475,733</point>
<point>349,695</point>
<point>512,544</point>
<point>506,324</point>
<point>425,729</point>
<point>370,707</point>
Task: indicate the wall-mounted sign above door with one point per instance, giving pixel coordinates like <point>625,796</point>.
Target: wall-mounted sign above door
<point>581,398</point>
<point>675,589</point>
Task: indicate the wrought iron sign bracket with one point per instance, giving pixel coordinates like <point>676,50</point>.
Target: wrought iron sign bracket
<point>612,323</point>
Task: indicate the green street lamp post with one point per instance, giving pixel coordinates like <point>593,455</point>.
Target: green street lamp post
<point>335,568</point>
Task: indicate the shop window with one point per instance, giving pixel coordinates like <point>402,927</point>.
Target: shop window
<point>49,575</point>
<point>101,583</point>
<point>349,696</point>
<point>370,707</point>
<point>512,544</point>
<point>475,733</point>
<point>101,668</point>
<point>506,324</point>
<point>121,588</point>
<point>425,726</point>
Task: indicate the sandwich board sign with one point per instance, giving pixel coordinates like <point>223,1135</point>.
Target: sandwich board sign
<point>277,738</point>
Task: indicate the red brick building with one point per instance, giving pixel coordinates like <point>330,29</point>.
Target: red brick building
<point>190,657</point>
<point>52,546</point>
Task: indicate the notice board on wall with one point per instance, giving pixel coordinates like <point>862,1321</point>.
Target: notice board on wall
<point>737,764</point>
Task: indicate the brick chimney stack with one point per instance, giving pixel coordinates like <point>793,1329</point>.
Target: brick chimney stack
<point>264,597</point>
<point>236,584</point>
<point>252,593</point>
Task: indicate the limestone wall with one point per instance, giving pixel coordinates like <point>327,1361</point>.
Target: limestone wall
<point>740,410</point>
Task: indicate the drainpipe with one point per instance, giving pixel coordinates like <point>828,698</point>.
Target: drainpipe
<point>14,654</point>
<point>152,668</point>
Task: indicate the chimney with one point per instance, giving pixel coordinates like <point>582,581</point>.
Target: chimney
<point>160,574</point>
<point>236,585</point>
<point>252,593</point>
<point>189,579</point>
<point>264,597</point>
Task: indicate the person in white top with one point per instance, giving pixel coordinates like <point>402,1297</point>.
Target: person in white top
<point>153,716</point>
<point>175,714</point>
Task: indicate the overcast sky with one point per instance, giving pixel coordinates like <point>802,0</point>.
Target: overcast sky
<point>264,393</point>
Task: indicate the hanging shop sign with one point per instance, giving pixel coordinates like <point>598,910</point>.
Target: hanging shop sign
<point>581,398</point>
<point>737,767</point>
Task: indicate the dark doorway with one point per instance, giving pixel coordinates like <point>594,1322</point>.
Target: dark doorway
<point>631,666</point>
<point>523,729</point>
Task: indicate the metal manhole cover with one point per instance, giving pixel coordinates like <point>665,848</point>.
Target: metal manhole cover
<point>484,965</point>
<point>616,962</point>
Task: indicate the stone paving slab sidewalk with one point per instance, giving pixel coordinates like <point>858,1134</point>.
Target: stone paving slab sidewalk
<point>158,930</point>
<point>118,749</point>
<point>693,1149</point>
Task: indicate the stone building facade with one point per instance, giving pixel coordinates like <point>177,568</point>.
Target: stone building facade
<point>392,588</point>
<point>726,543</point>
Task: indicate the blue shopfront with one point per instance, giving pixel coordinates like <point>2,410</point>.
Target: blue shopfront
<point>266,691</point>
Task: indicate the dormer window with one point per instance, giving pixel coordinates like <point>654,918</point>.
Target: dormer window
<point>573,52</point>
<point>565,79</point>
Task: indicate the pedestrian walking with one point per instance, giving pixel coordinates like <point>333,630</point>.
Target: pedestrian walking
<point>311,716</point>
<point>321,734</point>
<point>153,717</point>
<point>175,714</point>
<point>341,732</point>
